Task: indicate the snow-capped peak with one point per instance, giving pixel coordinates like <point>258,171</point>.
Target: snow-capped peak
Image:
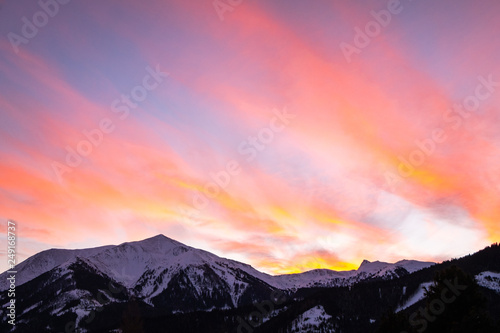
<point>158,241</point>
<point>413,265</point>
<point>373,267</point>
<point>45,261</point>
<point>364,263</point>
<point>382,267</point>
<point>136,264</point>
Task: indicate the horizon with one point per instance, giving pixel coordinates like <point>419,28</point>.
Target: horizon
<point>224,257</point>
<point>287,135</point>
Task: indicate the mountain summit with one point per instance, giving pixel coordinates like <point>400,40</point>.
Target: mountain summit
<point>130,264</point>
<point>161,285</point>
<point>162,273</point>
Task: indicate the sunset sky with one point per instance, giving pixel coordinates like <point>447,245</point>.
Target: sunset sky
<point>290,135</point>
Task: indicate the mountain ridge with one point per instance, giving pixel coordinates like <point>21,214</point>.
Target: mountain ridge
<point>177,286</point>
<point>159,248</point>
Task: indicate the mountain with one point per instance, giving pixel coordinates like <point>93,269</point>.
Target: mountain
<point>169,283</point>
<point>133,264</point>
<point>44,262</point>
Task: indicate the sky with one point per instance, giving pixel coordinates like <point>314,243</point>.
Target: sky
<point>289,135</point>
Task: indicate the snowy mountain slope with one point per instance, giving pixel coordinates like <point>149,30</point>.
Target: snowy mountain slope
<point>413,265</point>
<point>45,261</point>
<point>74,287</point>
<point>314,320</point>
<point>313,278</point>
<point>418,295</point>
<point>381,268</point>
<point>329,278</point>
<point>489,280</point>
<point>127,262</point>
<point>161,273</point>
<point>172,284</point>
<point>148,266</point>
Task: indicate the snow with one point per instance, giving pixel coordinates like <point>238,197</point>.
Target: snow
<point>372,267</point>
<point>128,261</point>
<point>417,296</point>
<point>329,278</point>
<point>489,280</point>
<point>274,313</point>
<point>45,261</point>
<point>383,268</point>
<point>317,277</point>
<point>80,314</point>
<point>311,320</point>
<point>412,265</point>
<point>32,307</point>
<point>146,267</point>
